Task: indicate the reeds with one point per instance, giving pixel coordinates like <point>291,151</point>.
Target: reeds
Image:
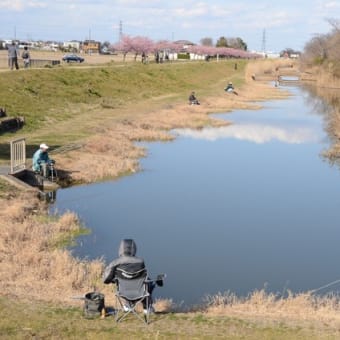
<point>32,266</point>
<point>294,307</point>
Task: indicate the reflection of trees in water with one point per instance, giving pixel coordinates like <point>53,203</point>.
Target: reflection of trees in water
<point>319,103</point>
<point>327,102</point>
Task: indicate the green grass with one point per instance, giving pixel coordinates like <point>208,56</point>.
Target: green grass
<point>45,321</point>
<point>81,98</point>
<point>78,98</point>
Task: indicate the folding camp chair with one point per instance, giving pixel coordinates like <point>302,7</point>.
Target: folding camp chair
<point>131,291</point>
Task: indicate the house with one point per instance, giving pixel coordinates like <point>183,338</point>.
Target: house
<point>6,42</point>
<point>184,44</point>
<point>72,46</point>
<point>91,46</point>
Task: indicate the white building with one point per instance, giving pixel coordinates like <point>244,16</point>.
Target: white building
<point>72,44</point>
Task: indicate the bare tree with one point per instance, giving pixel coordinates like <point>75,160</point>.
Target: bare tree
<point>316,49</point>
<point>206,42</point>
<point>335,23</point>
<point>324,47</point>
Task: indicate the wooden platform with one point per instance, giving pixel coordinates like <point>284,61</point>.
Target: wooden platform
<point>18,183</point>
<point>27,180</point>
<point>290,82</point>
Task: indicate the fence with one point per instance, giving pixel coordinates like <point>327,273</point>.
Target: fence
<point>18,155</point>
<point>33,62</point>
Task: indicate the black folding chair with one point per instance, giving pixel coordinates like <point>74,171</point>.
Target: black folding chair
<point>131,291</point>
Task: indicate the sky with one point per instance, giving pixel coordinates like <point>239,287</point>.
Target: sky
<point>274,25</point>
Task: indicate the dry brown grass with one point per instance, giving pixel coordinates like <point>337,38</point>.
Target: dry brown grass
<point>112,152</point>
<point>295,309</point>
<point>325,85</point>
<point>322,77</point>
<point>32,265</point>
<point>269,69</point>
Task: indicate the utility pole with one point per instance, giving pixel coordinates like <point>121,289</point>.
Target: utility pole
<point>264,41</point>
<point>120,31</point>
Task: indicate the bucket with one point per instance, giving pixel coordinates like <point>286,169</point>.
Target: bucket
<point>94,304</point>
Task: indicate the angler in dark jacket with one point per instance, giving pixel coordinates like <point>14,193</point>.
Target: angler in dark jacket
<point>127,260</point>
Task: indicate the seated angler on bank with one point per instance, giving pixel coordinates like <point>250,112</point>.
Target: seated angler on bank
<point>42,162</point>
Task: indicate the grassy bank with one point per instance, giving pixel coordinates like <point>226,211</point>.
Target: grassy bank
<point>20,320</point>
<point>104,110</point>
<point>63,104</point>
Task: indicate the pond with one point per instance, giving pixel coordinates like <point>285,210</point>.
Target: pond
<point>235,208</point>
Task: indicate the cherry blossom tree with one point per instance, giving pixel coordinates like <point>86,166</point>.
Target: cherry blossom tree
<point>163,49</point>
<point>124,45</point>
<point>141,46</point>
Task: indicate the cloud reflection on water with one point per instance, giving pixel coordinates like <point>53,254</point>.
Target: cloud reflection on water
<point>256,133</point>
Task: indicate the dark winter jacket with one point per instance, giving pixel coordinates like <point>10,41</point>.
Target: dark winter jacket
<point>127,261</point>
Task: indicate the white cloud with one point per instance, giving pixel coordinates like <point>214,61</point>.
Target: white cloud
<point>36,4</point>
<point>178,19</point>
<point>191,12</point>
<point>20,5</point>
<point>16,5</point>
<point>332,4</point>
<point>254,133</point>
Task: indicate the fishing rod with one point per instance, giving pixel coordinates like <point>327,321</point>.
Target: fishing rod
<point>325,286</point>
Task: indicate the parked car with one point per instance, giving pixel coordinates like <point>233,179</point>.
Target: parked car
<point>73,57</point>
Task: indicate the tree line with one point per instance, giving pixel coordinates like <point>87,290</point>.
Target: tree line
<point>324,49</point>
<point>139,45</point>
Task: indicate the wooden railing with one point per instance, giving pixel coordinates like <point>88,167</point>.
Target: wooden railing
<point>18,155</point>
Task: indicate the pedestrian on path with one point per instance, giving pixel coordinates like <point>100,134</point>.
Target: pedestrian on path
<point>13,56</point>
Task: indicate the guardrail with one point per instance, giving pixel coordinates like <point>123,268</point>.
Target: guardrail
<point>34,62</point>
<point>18,155</point>
<point>43,62</point>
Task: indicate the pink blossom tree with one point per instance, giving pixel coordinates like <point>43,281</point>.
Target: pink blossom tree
<point>165,47</point>
<point>124,45</point>
<point>141,46</point>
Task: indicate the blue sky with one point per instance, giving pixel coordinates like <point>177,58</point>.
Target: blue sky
<point>285,23</point>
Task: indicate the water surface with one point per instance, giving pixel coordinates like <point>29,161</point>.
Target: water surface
<point>233,208</point>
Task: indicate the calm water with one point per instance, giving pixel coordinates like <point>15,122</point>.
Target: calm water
<point>232,208</point>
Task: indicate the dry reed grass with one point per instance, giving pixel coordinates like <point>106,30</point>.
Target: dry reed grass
<point>326,85</point>
<point>269,69</point>
<point>34,266</point>
<point>31,265</point>
<point>294,309</point>
<point>112,151</point>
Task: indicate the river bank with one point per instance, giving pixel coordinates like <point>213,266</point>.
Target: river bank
<point>111,152</point>
<point>31,237</point>
<point>327,87</point>
<point>36,267</point>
